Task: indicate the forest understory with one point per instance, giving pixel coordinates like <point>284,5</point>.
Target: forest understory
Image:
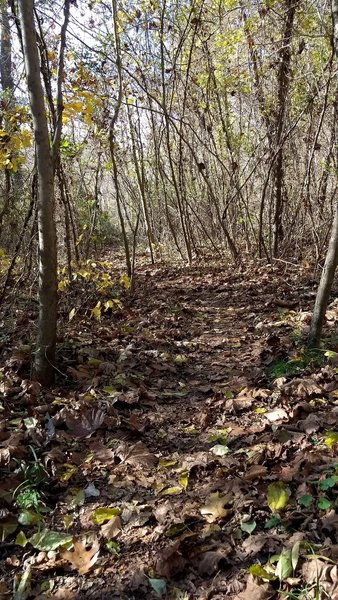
<point>188,448</point>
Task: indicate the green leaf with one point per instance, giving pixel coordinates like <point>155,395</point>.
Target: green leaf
<point>30,422</point>
<point>220,450</point>
<point>221,438</point>
<point>248,526</point>
<point>29,498</point>
<point>258,571</point>
<point>159,586</point>
<point>29,517</point>
<point>175,529</point>
<point>274,521</point>
<point>21,539</point>
<point>75,497</point>
<point>323,503</point>
<point>101,515</point>
<point>23,589</point>
<point>278,496</point>
<point>47,540</point>
<point>328,483</point>
<point>305,500</point>
<point>109,389</point>
<point>113,547</point>
<point>284,565</point>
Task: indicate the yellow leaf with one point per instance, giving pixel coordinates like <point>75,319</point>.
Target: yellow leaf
<point>167,462</point>
<point>102,515</point>
<point>62,285</point>
<point>69,472</point>
<point>71,314</point>
<point>125,281</point>
<point>278,496</point>
<point>184,479</point>
<point>171,491</point>
<point>108,304</point>
<point>96,311</point>
<point>331,439</point>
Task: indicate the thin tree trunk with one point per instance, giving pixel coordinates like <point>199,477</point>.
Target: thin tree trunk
<point>331,261</point>
<point>46,343</point>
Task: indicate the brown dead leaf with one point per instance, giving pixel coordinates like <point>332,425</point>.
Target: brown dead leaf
<point>215,508</point>
<point>134,423</point>
<point>256,591</point>
<point>101,453</point>
<point>65,594</point>
<point>255,471</point>
<point>85,422</point>
<point>4,592</point>
<point>278,414</point>
<point>112,528</point>
<point>170,561</point>
<point>330,522</point>
<point>14,443</point>
<point>84,555</point>
<point>304,387</point>
<point>5,457</point>
<point>210,561</point>
<point>137,455</point>
<point>311,424</point>
<point>324,575</point>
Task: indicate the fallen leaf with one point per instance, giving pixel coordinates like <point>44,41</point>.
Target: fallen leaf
<point>137,455</point>
<point>49,540</point>
<point>101,515</point>
<point>210,561</point>
<point>23,587</point>
<point>85,422</point>
<point>84,555</point>
<point>302,387</point>
<point>278,496</point>
<point>170,561</point>
<point>215,508</point>
<point>159,586</point>
<point>112,528</point>
<point>8,525</point>
<point>256,591</point>
<point>311,424</point>
<point>276,415</point>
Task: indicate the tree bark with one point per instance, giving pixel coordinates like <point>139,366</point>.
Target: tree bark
<point>46,342</point>
<point>331,261</point>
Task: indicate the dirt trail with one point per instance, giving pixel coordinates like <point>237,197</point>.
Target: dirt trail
<point>170,418</point>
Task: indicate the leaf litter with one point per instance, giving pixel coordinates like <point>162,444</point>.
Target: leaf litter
<point>190,442</point>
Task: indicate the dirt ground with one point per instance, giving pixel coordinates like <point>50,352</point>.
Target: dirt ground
<point>187,450</point>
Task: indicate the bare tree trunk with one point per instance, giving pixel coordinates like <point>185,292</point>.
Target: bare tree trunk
<point>112,143</point>
<point>46,343</point>
<point>7,82</point>
<point>331,261</point>
<point>284,77</point>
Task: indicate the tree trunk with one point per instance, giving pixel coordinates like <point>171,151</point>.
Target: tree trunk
<point>331,261</point>
<point>7,82</point>
<point>45,351</point>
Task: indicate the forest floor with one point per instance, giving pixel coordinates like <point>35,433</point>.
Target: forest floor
<point>188,448</point>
